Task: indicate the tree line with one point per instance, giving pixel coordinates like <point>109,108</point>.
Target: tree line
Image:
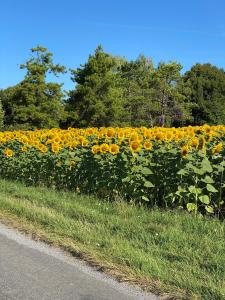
<point>112,91</point>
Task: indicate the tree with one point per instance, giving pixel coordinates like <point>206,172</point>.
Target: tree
<point>34,102</point>
<point>139,106</point>
<point>207,84</point>
<point>1,114</point>
<point>98,96</point>
<point>171,103</point>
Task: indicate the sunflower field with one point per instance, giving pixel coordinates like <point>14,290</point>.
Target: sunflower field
<point>167,167</point>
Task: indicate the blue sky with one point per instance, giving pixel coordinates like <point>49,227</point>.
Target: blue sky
<point>186,31</point>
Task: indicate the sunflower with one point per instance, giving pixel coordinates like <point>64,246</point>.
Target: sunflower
<point>24,139</point>
<point>104,148</point>
<point>84,143</point>
<point>43,148</point>
<point>136,137</point>
<point>194,142</point>
<point>55,148</point>
<point>121,134</point>
<point>72,145</point>
<point>110,132</point>
<point>159,136</point>
<point>95,149</point>
<point>217,149</point>
<point>62,138</point>
<point>24,149</point>
<point>114,149</point>
<point>8,152</point>
<point>184,151</point>
<point>148,145</point>
<point>57,139</point>
<point>201,143</point>
<point>90,131</point>
<point>135,146</point>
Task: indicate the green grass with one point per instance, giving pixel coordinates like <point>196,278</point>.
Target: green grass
<point>167,252</point>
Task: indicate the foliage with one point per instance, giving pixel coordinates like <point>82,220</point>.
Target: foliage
<point>112,91</point>
<point>35,103</point>
<point>170,102</point>
<point>158,166</point>
<point>135,78</point>
<point>97,99</point>
<point>1,115</point>
<point>207,86</point>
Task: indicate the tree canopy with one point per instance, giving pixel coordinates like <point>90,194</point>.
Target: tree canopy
<point>1,115</point>
<point>113,91</point>
<point>98,96</point>
<point>207,86</point>
<point>34,102</point>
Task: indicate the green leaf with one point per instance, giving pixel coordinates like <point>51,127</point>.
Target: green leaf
<point>72,153</point>
<point>194,190</point>
<point>126,179</point>
<point>182,172</point>
<point>209,209</point>
<point>146,171</point>
<point>204,199</point>
<point>124,157</point>
<point>172,151</point>
<point>199,171</point>
<point>191,206</point>
<point>77,159</point>
<point>148,184</point>
<point>207,179</point>
<point>152,164</point>
<point>222,163</point>
<point>181,189</point>
<point>211,188</point>
<point>145,198</point>
<point>206,165</point>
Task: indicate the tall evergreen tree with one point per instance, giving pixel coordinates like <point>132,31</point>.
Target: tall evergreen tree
<point>1,114</point>
<point>139,106</point>
<point>98,96</point>
<point>172,106</point>
<point>34,102</point>
<point>207,84</point>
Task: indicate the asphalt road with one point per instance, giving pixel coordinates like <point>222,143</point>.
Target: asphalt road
<point>33,270</point>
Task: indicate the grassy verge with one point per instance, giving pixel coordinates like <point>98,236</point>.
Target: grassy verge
<point>168,253</point>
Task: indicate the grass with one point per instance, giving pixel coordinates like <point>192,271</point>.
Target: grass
<point>170,253</point>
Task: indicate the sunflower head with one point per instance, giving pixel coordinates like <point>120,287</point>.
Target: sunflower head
<point>24,149</point>
<point>8,152</point>
<point>104,148</point>
<point>121,134</point>
<point>114,149</point>
<point>194,142</point>
<point>148,145</point>
<point>201,143</point>
<point>43,148</point>
<point>217,149</point>
<point>184,151</point>
<point>135,146</point>
<point>55,148</point>
<point>95,149</point>
<point>57,139</point>
<point>84,143</point>
<point>110,132</point>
